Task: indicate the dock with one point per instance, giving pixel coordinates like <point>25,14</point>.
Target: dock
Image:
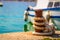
<point>27,36</point>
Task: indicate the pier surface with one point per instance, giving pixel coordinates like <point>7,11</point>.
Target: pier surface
<point>26,36</point>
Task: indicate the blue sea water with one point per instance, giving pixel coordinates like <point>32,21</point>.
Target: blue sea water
<point>11,16</point>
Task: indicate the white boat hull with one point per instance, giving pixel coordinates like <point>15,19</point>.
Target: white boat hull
<point>56,18</point>
<point>53,13</point>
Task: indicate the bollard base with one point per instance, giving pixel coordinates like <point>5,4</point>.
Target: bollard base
<point>42,34</point>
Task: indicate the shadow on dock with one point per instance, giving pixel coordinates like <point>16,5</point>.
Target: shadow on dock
<point>56,36</point>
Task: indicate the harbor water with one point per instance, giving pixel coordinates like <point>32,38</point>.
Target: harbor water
<point>11,16</point>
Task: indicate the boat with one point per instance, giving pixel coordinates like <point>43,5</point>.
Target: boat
<point>1,4</point>
<point>49,7</point>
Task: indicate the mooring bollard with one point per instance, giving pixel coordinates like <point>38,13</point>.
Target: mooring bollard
<point>41,25</point>
<point>39,21</point>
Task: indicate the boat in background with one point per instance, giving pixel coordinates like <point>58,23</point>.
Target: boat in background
<point>1,4</point>
<point>51,7</point>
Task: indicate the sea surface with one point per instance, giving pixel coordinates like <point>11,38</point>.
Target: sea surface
<point>11,16</point>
